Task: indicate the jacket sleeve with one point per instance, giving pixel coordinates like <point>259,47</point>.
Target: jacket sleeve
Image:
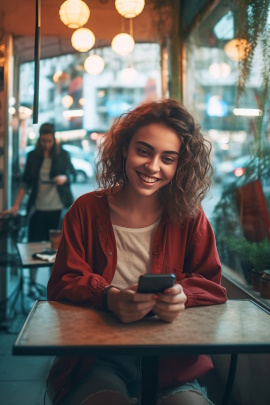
<point>27,173</point>
<point>201,276</point>
<point>73,278</point>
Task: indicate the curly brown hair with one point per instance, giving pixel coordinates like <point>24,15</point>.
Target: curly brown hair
<point>192,178</point>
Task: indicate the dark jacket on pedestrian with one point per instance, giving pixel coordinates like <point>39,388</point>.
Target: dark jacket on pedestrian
<point>61,165</point>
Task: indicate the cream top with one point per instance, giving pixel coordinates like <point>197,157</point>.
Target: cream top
<point>48,198</point>
<point>134,252</point>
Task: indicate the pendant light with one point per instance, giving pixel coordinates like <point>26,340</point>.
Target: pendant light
<point>219,70</point>
<point>83,39</point>
<point>74,13</point>
<point>94,64</point>
<point>237,49</point>
<point>123,44</point>
<point>129,8</point>
<point>128,75</point>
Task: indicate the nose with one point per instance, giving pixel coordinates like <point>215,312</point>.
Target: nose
<point>152,165</point>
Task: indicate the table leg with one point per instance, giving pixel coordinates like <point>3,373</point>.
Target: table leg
<point>230,380</point>
<point>19,292</point>
<point>149,380</point>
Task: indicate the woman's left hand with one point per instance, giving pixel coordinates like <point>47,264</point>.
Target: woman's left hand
<point>170,303</point>
<point>61,179</point>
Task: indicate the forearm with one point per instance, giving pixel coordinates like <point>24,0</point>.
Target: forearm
<point>19,198</point>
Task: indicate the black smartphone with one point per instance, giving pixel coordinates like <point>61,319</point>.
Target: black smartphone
<point>153,283</point>
<point>46,252</point>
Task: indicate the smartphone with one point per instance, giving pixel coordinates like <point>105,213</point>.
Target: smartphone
<point>153,283</point>
<point>46,252</point>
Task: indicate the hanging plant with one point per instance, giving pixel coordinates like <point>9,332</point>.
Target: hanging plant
<point>253,29</point>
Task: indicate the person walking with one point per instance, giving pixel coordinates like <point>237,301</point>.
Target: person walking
<point>47,176</point>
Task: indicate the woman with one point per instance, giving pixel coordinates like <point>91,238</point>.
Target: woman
<point>47,176</point>
<point>154,171</point>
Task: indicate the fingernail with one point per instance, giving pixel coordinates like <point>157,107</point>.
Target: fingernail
<point>167,291</point>
<point>155,297</point>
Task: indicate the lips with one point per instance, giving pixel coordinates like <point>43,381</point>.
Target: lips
<point>147,179</point>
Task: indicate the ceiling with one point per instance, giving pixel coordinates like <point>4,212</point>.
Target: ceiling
<point>17,17</point>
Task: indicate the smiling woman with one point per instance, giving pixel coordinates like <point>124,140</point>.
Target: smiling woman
<point>148,218</point>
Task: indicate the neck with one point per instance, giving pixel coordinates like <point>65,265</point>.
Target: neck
<point>139,203</point>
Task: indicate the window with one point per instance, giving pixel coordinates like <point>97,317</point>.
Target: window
<point>82,106</point>
<point>239,209</point>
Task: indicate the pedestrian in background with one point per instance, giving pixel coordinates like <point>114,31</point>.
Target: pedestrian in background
<point>47,177</point>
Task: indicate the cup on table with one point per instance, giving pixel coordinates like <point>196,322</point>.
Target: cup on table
<point>55,238</point>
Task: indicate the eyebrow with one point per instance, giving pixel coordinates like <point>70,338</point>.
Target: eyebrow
<point>171,152</point>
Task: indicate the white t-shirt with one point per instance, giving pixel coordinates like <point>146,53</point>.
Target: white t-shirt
<point>134,252</point>
<point>48,198</point>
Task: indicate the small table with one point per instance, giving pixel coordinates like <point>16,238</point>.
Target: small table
<point>26,251</point>
<point>238,326</point>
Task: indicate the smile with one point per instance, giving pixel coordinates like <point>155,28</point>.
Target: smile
<point>147,179</point>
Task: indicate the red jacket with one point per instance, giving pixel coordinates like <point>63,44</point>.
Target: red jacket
<point>86,263</point>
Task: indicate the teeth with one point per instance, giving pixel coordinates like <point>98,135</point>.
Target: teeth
<point>147,179</point>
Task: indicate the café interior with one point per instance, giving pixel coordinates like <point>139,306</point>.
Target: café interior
<point>80,71</point>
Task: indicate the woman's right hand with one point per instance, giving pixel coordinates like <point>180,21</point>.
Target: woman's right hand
<point>128,305</point>
<point>12,211</point>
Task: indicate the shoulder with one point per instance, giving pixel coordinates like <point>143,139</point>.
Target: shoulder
<point>199,223</point>
<point>33,154</point>
<point>33,157</point>
<point>63,153</point>
<point>200,229</point>
<point>91,204</point>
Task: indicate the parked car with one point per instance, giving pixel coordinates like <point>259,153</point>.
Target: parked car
<point>81,161</point>
<point>79,158</point>
<point>229,171</point>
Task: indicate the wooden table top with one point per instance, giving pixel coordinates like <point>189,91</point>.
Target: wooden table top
<point>26,250</point>
<point>53,328</point>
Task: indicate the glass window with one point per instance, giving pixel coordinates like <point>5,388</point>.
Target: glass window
<point>240,133</point>
<point>83,106</point>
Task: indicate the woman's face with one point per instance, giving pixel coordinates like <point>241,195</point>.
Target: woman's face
<point>151,158</point>
<point>47,141</point>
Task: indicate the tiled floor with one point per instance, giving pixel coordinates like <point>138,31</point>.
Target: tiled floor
<point>22,378</point>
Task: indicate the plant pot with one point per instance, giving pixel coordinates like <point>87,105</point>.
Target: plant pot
<point>246,268</point>
<point>256,278</point>
<point>265,285</point>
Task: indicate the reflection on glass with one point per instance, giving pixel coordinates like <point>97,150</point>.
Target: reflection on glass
<point>82,106</point>
<point>240,134</point>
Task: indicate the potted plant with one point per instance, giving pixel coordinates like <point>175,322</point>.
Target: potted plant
<point>238,247</point>
<point>259,256</point>
<point>265,284</point>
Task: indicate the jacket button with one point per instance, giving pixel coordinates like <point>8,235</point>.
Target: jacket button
<point>110,253</point>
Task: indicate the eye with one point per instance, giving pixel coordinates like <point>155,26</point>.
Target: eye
<point>143,152</point>
<point>168,160</point>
